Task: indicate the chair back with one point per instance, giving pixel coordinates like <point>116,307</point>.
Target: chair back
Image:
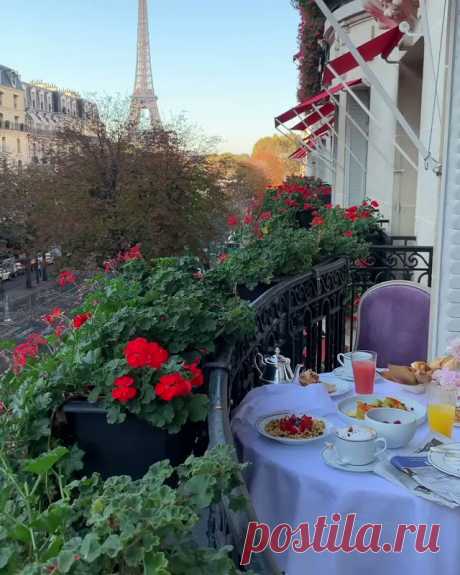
<point>394,320</point>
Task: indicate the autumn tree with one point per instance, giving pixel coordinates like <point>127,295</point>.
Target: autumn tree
<point>271,154</point>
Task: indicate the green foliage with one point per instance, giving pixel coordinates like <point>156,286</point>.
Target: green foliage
<point>141,527</point>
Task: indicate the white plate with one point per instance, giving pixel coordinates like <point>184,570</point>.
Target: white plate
<point>330,457</point>
<point>443,464</point>
<point>348,405</point>
<point>342,374</point>
<point>342,387</point>
<point>264,420</point>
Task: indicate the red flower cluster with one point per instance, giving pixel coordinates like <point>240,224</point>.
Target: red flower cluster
<point>80,319</point>
<point>248,219</point>
<point>66,278</point>
<point>317,220</point>
<point>197,374</point>
<point>30,348</point>
<point>222,258</point>
<point>173,385</point>
<point>348,234</point>
<point>140,352</point>
<point>125,389</point>
<point>232,221</point>
<point>54,316</point>
<point>265,216</point>
<point>133,253</point>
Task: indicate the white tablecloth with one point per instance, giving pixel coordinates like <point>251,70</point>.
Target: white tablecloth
<point>292,484</point>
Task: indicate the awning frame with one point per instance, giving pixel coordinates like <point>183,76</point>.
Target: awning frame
<point>430,162</point>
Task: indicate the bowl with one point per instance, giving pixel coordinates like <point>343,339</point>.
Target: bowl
<point>396,426</point>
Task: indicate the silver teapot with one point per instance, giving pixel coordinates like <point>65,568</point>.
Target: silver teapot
<point>275,368</point>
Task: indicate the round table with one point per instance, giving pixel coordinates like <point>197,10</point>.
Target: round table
<point>293,485</point>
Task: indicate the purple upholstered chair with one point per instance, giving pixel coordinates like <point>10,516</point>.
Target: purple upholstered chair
<point>394,320</point>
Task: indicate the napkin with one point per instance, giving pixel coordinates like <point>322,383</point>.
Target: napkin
<point>276,398</point>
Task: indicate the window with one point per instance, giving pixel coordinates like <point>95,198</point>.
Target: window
<point>1,119</point>
<point>15,101</point>
<point>16,122</point>
<point>4,144</point>
<point>18,146</point>
<point>1,98</point>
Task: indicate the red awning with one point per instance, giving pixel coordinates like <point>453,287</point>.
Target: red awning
<point>299,154</point>
<point>323,112</point>
<point>323,130</point>
<point>382,45</point>
<point>307,104</point>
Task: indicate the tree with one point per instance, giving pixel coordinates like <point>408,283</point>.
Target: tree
<point>271,154</point>
<point>100,191</point>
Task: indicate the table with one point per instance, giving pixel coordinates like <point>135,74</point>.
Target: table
<point>293,485</point>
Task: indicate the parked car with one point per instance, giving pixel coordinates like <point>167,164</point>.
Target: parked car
<point>49,258</point>
<point>9,265</point>
<point>20,269</point>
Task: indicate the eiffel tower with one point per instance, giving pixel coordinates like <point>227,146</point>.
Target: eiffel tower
<point>143,97</point>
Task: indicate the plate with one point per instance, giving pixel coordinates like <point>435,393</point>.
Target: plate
<point>264,420</point>
<point>342,386</point>
<point>330,457</point>
<point>439,461</point>
<point>349,405</point>
<point>342,374</point>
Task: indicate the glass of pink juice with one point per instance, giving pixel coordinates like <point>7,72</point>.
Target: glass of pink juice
<point>364,364</point>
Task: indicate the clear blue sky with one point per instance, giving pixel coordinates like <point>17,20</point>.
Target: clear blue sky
<point>226,64</point>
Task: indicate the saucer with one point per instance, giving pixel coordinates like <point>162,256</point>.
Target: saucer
<point>330,457</point>
<point>341,373</point>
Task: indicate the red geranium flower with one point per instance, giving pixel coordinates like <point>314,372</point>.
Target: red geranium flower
<point>329,206</point>
<point>317,221</point>
<point>54,316</point>
<point>21,353</point>
<point>36,339</point>
<point>197,374</point>
<point>60,329</point>
<point>124,389</point>
<point>265,216</point>
<point>375,204</point>
<point>232,221</point>
<point>66,278</point>
<point>124,381</point>
<point>348,234</point>
<point>133,253</point>
<point>248,219</point>
<point>173,385</point>
<point>141,353</point>
<point>81,319</point>
<point>222,258</point>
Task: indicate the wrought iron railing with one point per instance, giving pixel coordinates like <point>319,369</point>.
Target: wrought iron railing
<point>305,317</point>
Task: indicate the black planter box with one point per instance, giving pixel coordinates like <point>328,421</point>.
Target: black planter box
<point>128,448</point>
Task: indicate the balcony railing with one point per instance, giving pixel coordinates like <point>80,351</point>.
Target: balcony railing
<point>307,317</point>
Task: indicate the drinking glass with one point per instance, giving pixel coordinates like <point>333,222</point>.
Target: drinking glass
<point>442,400</point>
<point>364,364</point>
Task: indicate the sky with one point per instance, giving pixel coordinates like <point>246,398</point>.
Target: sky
<point>227,65</point>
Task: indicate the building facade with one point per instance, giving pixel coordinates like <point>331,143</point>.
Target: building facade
<point>31,114</point>
<point>14,141</point>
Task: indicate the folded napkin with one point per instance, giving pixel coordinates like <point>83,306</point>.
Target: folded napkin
<point>276,398</point>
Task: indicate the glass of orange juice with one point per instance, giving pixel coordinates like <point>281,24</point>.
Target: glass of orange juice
<point>442,400</point>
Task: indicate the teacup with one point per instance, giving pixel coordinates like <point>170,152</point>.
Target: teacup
<point>345,360</point>
<point>358,445</point>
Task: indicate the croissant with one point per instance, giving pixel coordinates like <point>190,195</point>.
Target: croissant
<point>308,377</point>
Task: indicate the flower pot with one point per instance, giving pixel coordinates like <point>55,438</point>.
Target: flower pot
<point>128,448</point>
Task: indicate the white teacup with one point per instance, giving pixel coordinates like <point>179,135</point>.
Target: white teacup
<point>345,360</point>
<point>358,445</point>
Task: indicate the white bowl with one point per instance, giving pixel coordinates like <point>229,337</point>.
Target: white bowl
<point>382,419</point>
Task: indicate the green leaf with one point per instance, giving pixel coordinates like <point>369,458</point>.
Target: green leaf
<point>53,549</point>
<point>5,555</point>
<point>90,548</point>
<point>156,564</point>
<point>20,533</point>
<point>43,463</point>
<point>112,546</point>
<point>198,407</point>
<point>65,561</point>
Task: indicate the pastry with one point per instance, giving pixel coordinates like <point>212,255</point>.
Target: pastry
<point>308,377</point>
<point>422,371</point>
